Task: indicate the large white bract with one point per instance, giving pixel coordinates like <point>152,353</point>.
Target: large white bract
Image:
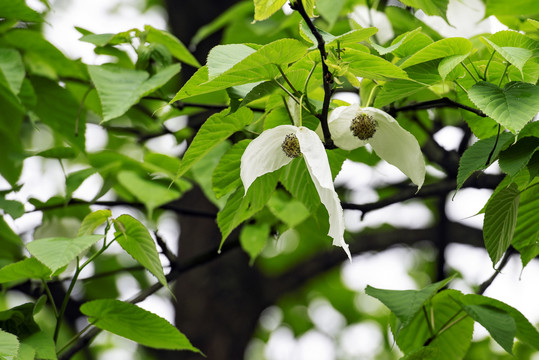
<point>265,154</point>
<point>390,141</point>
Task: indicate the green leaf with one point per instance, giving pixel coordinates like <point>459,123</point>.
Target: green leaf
<point>512,107</point>
<point>43,344</point>
<point>241,206</point>
<point>150,193</point>
<point>29,268</point>
<point>253,239</point>
<point>449,63</point>
<point>19,320</point>
<point>226,176</point>
<point>498,323</point>
<point>525,331</point>
<point>500,221</point>
<point>430,7</point>
<point>405,304</point>
<point>92,221</point>
<point>57,108</point>
<point>259,66</point>
<point>215,130</point>
<point>290,211</point>
<point>12,207</point>
<point>12,69</point>
<point>135,323</point>
<point>265,8</point>
<point>296,179</point>
<point>120,88</point>
<point>17,10</point>
<point>372,66</point>
<point>10,242</point>
<point>511,8</point>
<point>58,153</point>
<point>57,252</point>
<point>397,42</point>
<point>442,309</point>
<point>350,38</point>
<point>134,238</point>
<point>172,43</point>
<point>517,56</point>
<point>475,157</point>
<point>223,57</point>
<point>330,9</point>
<point>396,90</point>
<point>517,156</point>
<point>75,179</point>
<point>439,49</point>
<point>9,345</point>
<point>526,237</point>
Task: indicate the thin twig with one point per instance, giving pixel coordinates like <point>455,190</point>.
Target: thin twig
<point>438,103</point>
<point>327,76</point>
<point>505,260</point>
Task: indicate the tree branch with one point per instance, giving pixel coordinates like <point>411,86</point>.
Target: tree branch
<point>438,103</point>
<point>505,260</point>
<point>327,76</point>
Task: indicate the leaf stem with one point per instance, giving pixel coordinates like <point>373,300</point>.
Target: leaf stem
<point>73,339</point>
<point>469,72</point>
<point>429,324</point>
<point>286,79</point>
<point>327,76</point>
<point>485,75</point>
<point>51,299</point>
<point>504,72</point>
<point>494,148</point>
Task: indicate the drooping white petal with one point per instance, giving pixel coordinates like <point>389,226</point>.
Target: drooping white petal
<point>264,154</point>
<point>339,126</point>
<point>318,165</point>
<point>397,146</point>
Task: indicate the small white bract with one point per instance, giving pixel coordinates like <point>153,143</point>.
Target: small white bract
<point>389,140</point>
<point>266,154</point>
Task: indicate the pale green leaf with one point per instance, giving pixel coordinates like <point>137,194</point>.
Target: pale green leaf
<point>152,194</point>
<point>253,239</point>
<point>330,9</point>
<point>517,56</point>
<point>135,323</point>
<point>58,252</point>
<point>226,176</point>
<point>265,8</point>
<point>475,157</point>
<point>512,107</point>
<point>511,8</point>
<point>371,66</point>
<point>76,178</point>
<point>396,90</point>
<point>430,7</point>
<point>43,344</point>
<point>29,268</point>
<point>26,352</point>
<point>498,323</point>
<point>259,66</point>
<point>9,345</point>
<point>525,331</point>
<point>290,211</point>
<point>449,63</point>
<point>526,237</point>
<point>223,57</point>
<point>172,43</point>
<point>215,130</point>
<point>93,220</point>
<point>120,88</point>
<point>12,69</point>
<point>405,304</point>
<point>439,49</point>
<point>397,42</point>
<point>500,221</point>
<point>134,238</point>
<point>349,38</point>
<point>58,153</point>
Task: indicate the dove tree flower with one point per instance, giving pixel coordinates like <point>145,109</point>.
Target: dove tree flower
<point>277,147</point>
<point>352,126</point>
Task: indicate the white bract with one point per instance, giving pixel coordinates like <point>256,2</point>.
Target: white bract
<point>389,140</point>
<point>266,154</point>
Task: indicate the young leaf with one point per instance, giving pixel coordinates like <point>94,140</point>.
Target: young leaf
<point>57,252</point>
<point>372,67</point>
<point>92,221</point>
<point>134,238</point>
<point>9,345</point>
<point>517,56</point>
<point>172,43</point>
<point>29,268</point>
<point>475,157</point>
<point>449,63</point>
<point>405,304</point>
<point>500,221</point>
<point>511,8</point>
<point>265,8</point>
<point>135,323</point>
<point>223,57</point>
<point>440,49</point>
<point>215,130</point>
<point>512,107</point>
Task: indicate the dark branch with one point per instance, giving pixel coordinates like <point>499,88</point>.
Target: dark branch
<point>327,76</point>
<point>438,103</point>
<point>505,260</point>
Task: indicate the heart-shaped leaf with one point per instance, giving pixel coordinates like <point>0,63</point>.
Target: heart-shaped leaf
<point>512,107</point>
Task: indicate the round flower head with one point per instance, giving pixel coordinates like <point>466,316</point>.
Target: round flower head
<point>276,147</point>
<point>353,126</point>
